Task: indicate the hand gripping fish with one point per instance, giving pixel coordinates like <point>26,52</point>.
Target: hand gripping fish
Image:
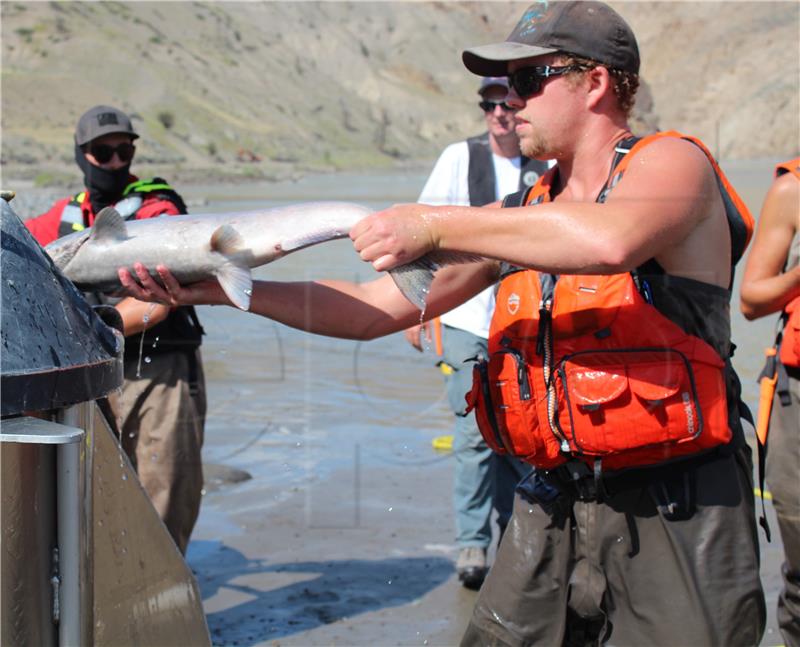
<point>222,246</point>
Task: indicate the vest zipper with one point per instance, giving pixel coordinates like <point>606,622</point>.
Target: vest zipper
<point>545,342</point>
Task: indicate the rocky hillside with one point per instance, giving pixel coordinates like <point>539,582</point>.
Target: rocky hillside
<point>268,89</point>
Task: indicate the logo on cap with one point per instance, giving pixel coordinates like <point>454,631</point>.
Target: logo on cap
<point>107,119</point>
<point>532,17</point>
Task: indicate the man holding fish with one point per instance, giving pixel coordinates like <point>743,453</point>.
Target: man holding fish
<point>609,365</point>
<point>161,410</point>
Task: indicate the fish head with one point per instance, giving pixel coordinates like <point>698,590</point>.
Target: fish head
<point>64,249</point>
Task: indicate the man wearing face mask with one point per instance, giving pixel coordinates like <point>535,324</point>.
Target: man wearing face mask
<point>161,411</point>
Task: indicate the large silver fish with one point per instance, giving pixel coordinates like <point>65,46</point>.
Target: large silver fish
<point>225,246</point>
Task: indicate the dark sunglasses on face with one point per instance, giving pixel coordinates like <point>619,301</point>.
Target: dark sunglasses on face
<point>103,152</point>
<point>489,106</point>
<point>527,81</point>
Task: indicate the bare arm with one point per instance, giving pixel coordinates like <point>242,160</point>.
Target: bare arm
<point>332,308</point>
<point>662,199</point>
<point>765,287</point>
<point>135,312</point>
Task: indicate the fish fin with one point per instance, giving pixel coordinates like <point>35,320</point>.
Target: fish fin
<point>109,227</point>
<point>414,279</point>
<point>312,238</point>
<point>237,283</point>
<point>226,240</point>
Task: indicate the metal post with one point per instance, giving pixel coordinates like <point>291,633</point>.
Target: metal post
<point>68,469</point>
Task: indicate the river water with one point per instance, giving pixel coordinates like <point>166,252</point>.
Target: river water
<point>343,534</point>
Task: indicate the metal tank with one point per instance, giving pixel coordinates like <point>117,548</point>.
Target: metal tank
<point>84,558</point>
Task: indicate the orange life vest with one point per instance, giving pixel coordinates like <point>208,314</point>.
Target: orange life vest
<point>790,343</point>
<point>583,366</point>
<point>792,166</point>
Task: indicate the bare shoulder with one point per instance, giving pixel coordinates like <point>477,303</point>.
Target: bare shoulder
<point>674,174</point>
<point>670,159</point>
<point>673,186</point>
<point>786,188</point>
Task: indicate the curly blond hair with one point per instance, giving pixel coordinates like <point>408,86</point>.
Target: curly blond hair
<point>625,83</point>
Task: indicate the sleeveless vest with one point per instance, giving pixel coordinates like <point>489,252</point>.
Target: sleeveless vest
<point>480,174</point>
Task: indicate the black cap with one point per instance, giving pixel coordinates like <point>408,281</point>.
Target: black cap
<point>102,120</point>
<point>588,29</point>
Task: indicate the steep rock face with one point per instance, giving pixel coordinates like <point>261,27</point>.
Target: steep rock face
<point>356,85</point>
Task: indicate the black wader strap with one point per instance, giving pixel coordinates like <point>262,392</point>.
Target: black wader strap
<point>194,382</point>
<point>768,372</point>
<point>517,199</point>
<point>193,316</point>
<point>762,470</point>
<point>620,150</point>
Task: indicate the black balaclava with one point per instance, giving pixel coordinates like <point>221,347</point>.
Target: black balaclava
<point>105,187</point>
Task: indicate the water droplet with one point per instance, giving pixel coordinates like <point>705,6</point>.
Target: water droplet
<point>124,477</point>
<point>132,434</point>
<point>147,360</point>
<point>390,508</point>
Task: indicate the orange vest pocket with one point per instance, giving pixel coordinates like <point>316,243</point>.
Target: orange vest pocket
<point>790,345</point>
<point>504,398</point>
<point>620,400</point>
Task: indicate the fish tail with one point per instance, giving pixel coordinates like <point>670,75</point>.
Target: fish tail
<point>414,280</point>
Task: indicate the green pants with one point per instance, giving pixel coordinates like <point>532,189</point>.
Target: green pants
<point>623,572</point>
<point>783,477</point>
<point>160,417</point>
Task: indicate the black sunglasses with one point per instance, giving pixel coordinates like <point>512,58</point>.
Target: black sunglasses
<point>489,106</point>
<point>527,81</point>
<point>103,152</point>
